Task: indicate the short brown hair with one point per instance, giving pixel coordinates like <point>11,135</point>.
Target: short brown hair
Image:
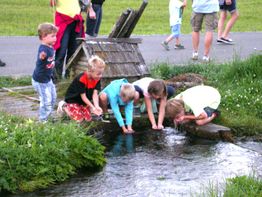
<point>158,88</point>
<point>46,28</point>
<point>174,107</point>
<point>128,91</point>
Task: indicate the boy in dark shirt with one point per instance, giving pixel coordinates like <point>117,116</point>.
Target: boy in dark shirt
<point>82,91</point>
<point>42,76</point>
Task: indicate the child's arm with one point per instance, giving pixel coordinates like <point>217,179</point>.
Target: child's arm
<point>150,112</point>
<point>42,55</point>
<point>52,3</point>
<point>86,101</point>
<point>184,3</point>
<point>161,113</point>
<point>192,117</point>
<point>97,110</point>
<point>129,115</point>
<point>115,107</point>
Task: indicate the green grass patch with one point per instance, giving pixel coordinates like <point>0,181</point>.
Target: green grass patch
<point>8,82</point>
<point>240,85</point>
<point>21,17</point>
<point>34,155</point>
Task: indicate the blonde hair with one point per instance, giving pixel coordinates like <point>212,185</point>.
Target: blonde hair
<point>158,88</point>
<point>128,91</point>
<point>174,107</point>
<point>95,63</point>
<point>46,28</point>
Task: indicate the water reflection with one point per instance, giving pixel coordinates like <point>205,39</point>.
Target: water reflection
<point>167,163</point>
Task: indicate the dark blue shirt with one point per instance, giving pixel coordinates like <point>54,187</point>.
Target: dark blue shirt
<point>44,67</point>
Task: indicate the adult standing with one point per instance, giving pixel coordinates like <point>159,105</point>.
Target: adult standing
<point>69,21</point>
<point>230,6</point>
<point>203,10</point>
<point>93,24</point>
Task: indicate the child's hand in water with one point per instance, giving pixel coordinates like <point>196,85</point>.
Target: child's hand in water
<point>97,111</point>
<point>129,129</point>
<point>160,127</point>
<point>154,127</point>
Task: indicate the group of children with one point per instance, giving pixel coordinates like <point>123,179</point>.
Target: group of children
<point>84,99</point>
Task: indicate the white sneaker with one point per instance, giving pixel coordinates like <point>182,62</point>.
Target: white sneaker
<point>60,111</point>
<point>206,59</point>
<point>195,56</point>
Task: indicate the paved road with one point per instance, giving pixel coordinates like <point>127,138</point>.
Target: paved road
<point>20,52</point>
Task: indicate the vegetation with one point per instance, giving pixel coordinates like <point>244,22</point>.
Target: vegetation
<point>21,17</point>
<point>240,84</point>
<point>240,186</point>
<point>13,81</point>
<point>34,155</point>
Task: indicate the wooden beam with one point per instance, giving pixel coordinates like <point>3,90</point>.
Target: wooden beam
<point>117,40</point>
<point>22,95</point>
<point>127,24</point>
<point>135,21</point>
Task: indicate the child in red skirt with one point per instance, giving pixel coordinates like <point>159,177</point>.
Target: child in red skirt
<point>81,98</point>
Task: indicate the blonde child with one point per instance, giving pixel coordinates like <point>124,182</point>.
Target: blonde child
<point>197,104</point>
<point>81,98</point>
<point>119,93</point>
<point>43,73</point>
<point>175,10</point>
<point>151,89</point>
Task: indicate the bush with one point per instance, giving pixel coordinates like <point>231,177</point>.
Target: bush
<point>34,155</point>
<point>240,84</point>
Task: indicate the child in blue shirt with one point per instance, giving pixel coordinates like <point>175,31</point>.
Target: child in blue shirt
<point>42,76</point>
<point>119,93</point>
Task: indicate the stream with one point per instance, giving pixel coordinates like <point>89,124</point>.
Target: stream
<point>156,164</point>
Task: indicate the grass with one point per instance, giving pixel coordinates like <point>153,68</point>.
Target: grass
<point>21,17</point>
<point>8,82</point>
<point>239,186</point>
<point>34,155</point>
<point>240,84</point>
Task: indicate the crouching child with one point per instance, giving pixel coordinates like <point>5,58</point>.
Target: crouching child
<point>119,93</point>
<point>81,99</point>
<point>197,104</point>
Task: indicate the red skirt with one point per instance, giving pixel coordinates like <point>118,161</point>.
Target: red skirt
<point>78,112</point>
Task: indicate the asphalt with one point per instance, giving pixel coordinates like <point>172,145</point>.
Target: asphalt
<point>19,53</point>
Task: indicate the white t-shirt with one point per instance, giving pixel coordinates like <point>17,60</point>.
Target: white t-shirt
<point>175,12</point>
<point>143,84</point>
<point>199,97</point>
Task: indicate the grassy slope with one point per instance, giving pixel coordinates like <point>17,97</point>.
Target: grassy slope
<point>21,17</point>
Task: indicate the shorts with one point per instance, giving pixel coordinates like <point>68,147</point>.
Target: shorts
<point>176,30</point>
<point>170,91</point>
<point>231,8</point>
<point>211,21</point>
<point>209,111</point>
<point>78,112</point>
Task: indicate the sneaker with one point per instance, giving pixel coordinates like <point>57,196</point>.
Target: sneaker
<point>60,109</point>
<point>206,59</point>
<point>179,46</point>
<point>226,40</point>
<point>195,56</point>
<point>2,64</point>
<point>219,40</point>
<point>165,45</point>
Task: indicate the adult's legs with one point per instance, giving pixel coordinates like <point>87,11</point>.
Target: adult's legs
<point>99,14</point>
<point>103,101</point>
<point>61,52</point>
<point>221,23</point>
<point>230,23</point>
<point>91,24</point>
<point>195,40</point>
<point>208,42</point>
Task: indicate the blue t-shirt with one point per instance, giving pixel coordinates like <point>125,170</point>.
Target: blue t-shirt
<point>44,68</point>
<point>205,6</point>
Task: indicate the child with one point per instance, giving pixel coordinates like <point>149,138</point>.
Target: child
<point>202,100</point>
<point>84,89</point>
<point>41,79</point>
<point>175,10</point>
<point>119,93</point>
<point>149,88</point>
<point>230,6</point>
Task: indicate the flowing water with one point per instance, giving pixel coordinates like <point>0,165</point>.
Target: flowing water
<point>158,164</point>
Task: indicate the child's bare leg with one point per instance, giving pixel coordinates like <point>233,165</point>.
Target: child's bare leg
<point>206,120</point>
<point>177,41</point>
<point>169,38</point>
<point>230,23</point>
<point>103,101</point>
<point>136,99</point>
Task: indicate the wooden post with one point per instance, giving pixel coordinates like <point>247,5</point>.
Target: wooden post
<point>127,24</point>
<point>139,14</point>
<point>121,21</point>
